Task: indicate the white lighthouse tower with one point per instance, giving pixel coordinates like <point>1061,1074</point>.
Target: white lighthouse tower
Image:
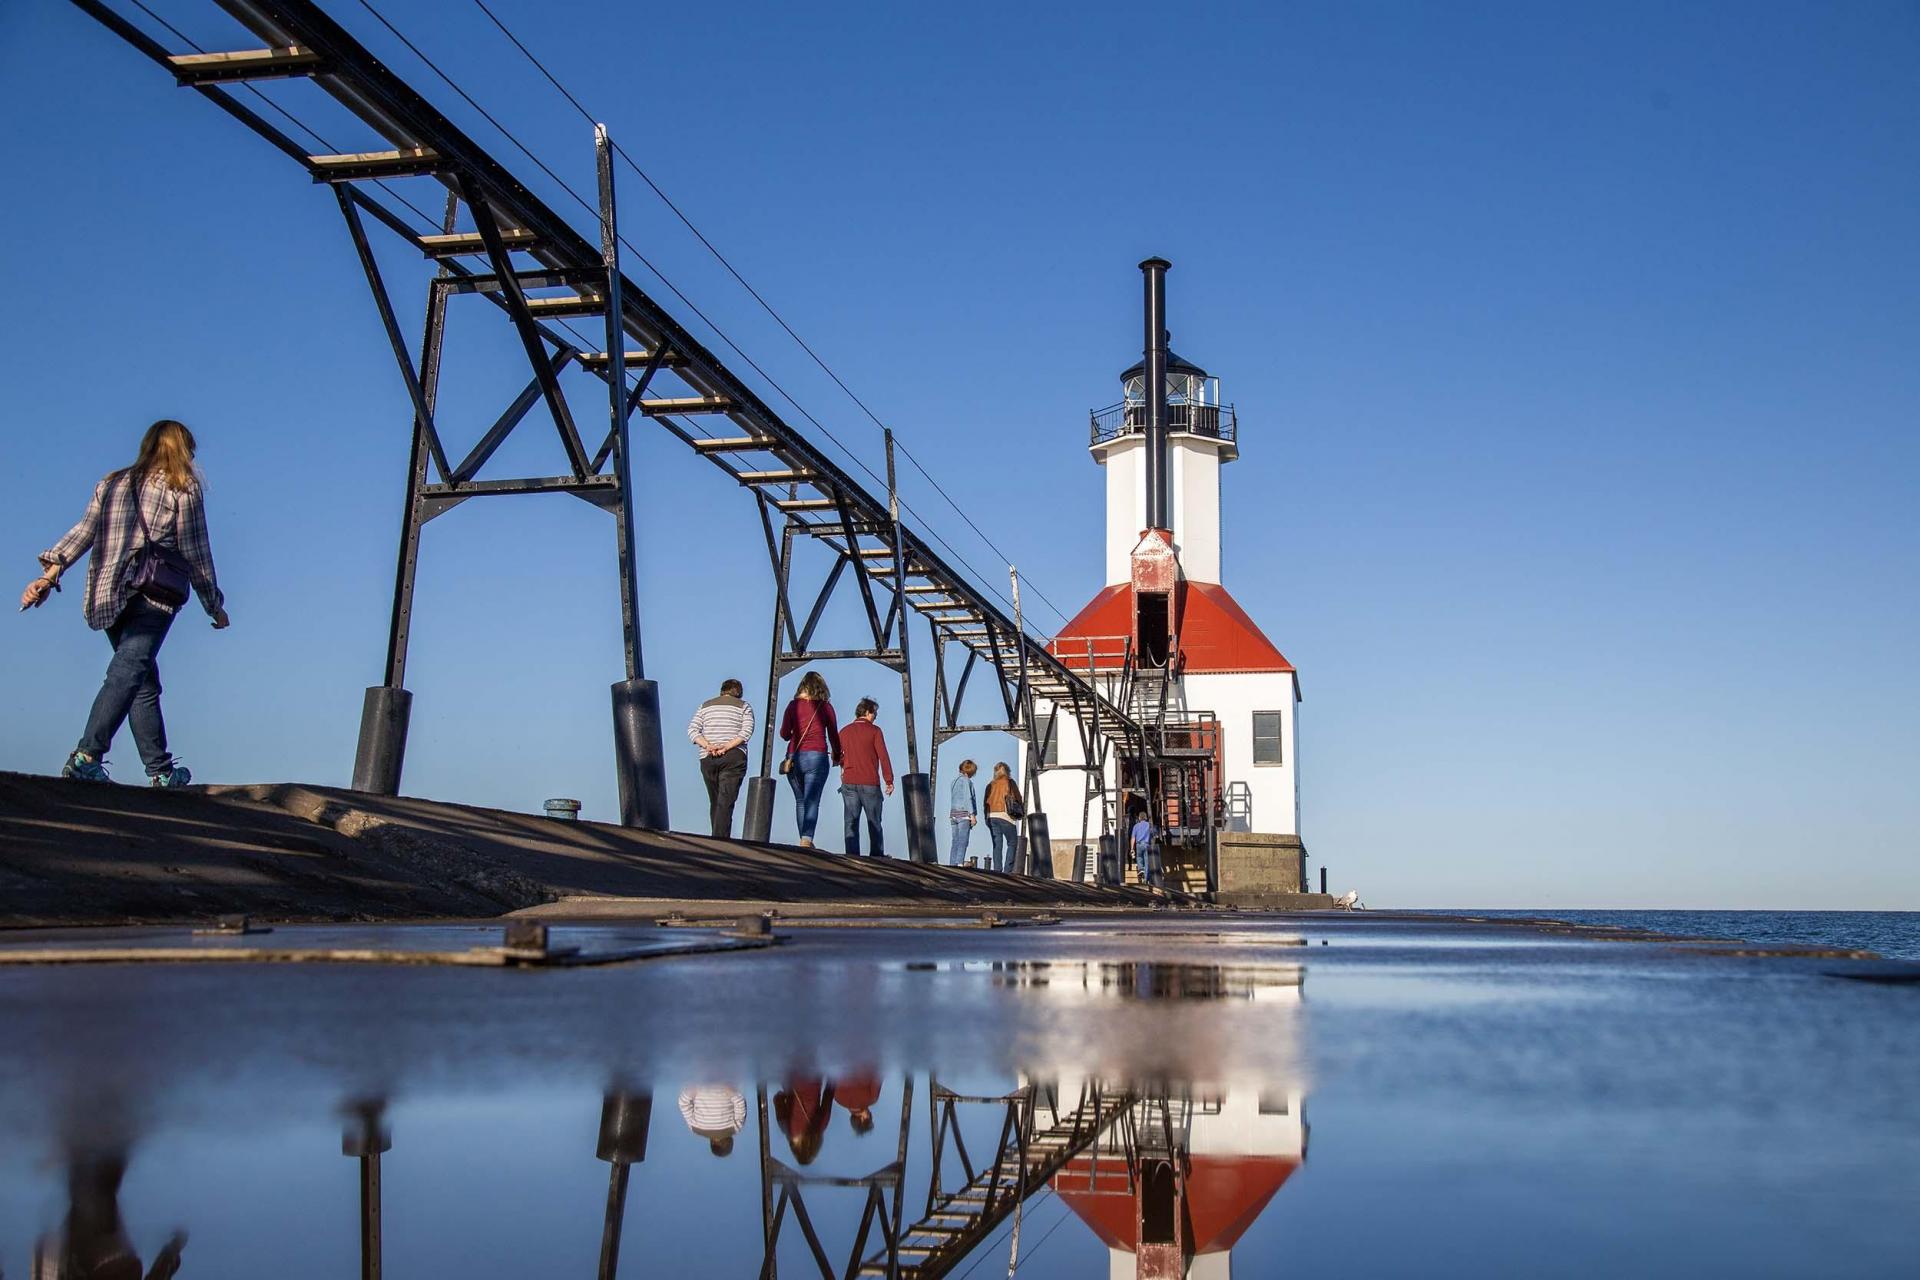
<point>1166,640</point>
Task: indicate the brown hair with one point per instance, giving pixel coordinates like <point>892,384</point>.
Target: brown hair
<point>732,688</point>
<point>1000,770</point>
<point>813,687</point>
<point>969,768</point>
<point>866,706</point>
<point>166,453</point>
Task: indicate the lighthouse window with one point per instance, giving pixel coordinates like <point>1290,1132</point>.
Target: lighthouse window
<point>1266,737</point>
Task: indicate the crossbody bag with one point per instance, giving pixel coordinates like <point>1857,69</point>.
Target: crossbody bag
<point>157,572</point>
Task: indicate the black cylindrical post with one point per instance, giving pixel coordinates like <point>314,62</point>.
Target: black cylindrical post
<point>1323,879</point>
<point>624,1121</point>
<point>759,824</point>
<point>1155,270</point>
<point>1080,864</point>
<point>1039,847</point>
<point>639,756</point>
<point>383,741</point>
<point>1111,873</point>
<point>918,791</point>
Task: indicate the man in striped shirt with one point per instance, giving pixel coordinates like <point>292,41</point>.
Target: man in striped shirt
<point>715,1112</point>
<point>720,728</point>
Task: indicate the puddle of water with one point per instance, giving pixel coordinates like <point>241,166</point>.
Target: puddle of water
<point>1223,1104</point>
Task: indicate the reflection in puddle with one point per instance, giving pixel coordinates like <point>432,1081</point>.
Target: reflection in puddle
<point>853,1171</point>
<point>848,1176</point>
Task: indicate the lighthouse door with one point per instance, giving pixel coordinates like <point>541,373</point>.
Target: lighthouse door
<point>1152,628</point>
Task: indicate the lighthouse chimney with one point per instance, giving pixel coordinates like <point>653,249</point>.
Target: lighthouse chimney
<point>1155,271</point>
<point>1155,563</point>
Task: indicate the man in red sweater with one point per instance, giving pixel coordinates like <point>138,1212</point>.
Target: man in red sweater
<point>863,764</point>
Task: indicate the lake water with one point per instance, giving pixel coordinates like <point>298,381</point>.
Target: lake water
<point>1894,934</point>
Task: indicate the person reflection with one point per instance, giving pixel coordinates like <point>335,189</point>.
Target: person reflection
<point>92,1244</point>
<point>857,1093</point>
<point>715,1112</point>
<point>803,1109</point>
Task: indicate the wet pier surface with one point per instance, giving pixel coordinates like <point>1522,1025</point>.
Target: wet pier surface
<point>1308,1095</point>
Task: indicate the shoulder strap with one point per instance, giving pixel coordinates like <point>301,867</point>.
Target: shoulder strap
<point>793,748</point>
<point>139,515</point>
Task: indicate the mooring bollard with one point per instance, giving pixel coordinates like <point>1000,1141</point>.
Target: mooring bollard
<point>1323,879</point>
<point>563,810</point>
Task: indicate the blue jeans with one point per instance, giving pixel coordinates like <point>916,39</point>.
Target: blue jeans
<point>1006,836</point>
<point>131,690</point>
<point>1146,858</point>
<point>962,833</point>
<point>808,778</point>
<point>856,799</point>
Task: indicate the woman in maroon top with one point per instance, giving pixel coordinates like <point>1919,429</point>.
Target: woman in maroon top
<point>812,734</point>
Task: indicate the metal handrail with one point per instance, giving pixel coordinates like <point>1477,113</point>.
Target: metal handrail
<point>1129,417</point>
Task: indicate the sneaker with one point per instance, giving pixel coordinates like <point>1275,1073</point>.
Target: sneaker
<point>84,767</point>
<point>177,776</point>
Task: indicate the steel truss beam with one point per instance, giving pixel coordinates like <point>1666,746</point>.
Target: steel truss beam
<point>518,243</point>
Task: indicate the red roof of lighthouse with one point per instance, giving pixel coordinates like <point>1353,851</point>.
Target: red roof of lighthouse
<point>1224,1195</point>
<point>1216,635</point>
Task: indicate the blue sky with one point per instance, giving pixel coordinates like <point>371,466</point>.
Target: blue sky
<point>1573,348</point>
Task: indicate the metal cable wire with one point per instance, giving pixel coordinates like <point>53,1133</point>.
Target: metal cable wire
<point>985,1248</point>
<point>766,306</point>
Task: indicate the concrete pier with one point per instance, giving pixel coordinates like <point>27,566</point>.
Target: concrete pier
<point>82,853</point>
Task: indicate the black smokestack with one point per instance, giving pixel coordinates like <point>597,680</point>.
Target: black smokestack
<point>1155,270</point>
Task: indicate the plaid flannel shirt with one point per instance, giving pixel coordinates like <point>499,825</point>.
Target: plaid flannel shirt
<point>174,518</point>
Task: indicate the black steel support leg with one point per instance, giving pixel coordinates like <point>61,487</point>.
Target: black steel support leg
<point>918,790</point>
<point>639,756</point>
<point>1039,847</point>
<point>624,1121</point>
<point>759,825</point>
<point>383,741</point>
<point>388,709</point>
<point>364,1139</point>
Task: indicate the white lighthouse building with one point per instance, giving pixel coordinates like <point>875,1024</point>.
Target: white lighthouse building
<point>1168,642</point>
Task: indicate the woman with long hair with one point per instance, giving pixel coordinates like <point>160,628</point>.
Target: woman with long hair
<point>1005,808</point>
<point>812,735</point>
<point>147,528</point>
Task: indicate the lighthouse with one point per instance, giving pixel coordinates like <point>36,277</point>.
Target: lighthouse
<point>1217,763</point>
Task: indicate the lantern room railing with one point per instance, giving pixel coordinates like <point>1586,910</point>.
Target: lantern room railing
<point>1129,418</point>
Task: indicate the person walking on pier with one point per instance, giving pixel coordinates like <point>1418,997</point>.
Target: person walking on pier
<point>963,811</point>
<point>720,728</point>
<point>147,528</point>
<point>1146,853</point>
<point>812,734</point>
<point>1005,808</point>
<point>864,764</point>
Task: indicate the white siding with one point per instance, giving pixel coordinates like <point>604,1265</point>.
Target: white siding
<point>1196,505</point>
<point>1125,462</point>
<point>1193,485</point>
<point>1232,698</point>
